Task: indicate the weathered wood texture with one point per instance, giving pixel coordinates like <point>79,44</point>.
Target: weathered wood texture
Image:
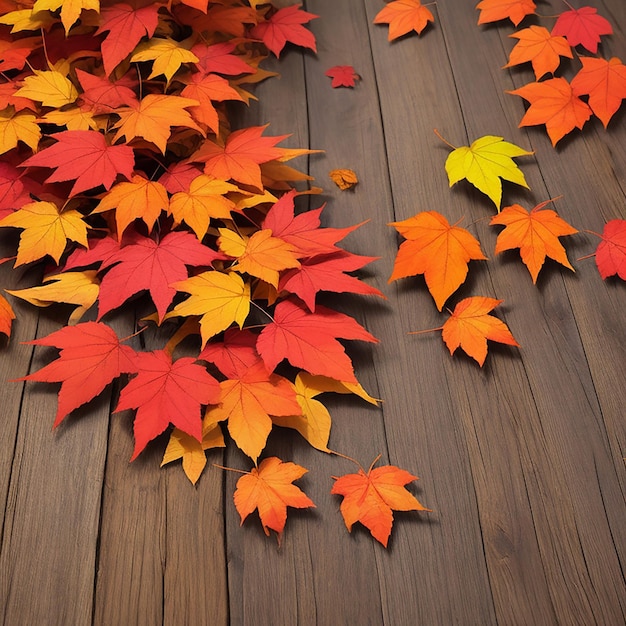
<point>521,461</point>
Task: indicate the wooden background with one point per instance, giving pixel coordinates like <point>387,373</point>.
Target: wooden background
<point>521,461</point>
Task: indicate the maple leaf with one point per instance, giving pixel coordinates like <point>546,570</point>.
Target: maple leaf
<point>203,200</point>
<point>138,199</point>
<point>103,96</point>
<point>84,156</point>
<point>536,233</point>
<point>611,252</point>
<point>484,163</point>
<point>73,118</point>
<point>553,103</point>
<point>79,288</point>
<point>6,317</point>
<point>240,156</point>
<point>191,451</point>
<point>218,58</point>
<point>403,16</point>
<point>470,326</point>
<point>142,263</point>
<point>153,117</point>
<point>286,26</point>
<point>15,188</point>
<point>342,76</point>
<point>13,53</point>
<point>344,178</point>
<point>582,26</point>
<point>91,357</point>
<point>436,249</point>
<point>126,26</point>
<point>605,84</point>
<point>16,127</point>
<point>543,49</point>
<point>309,340</point>
<point>269,489</point>
<point>8,98</point>
<point>46,230</point>
<point>166,391</point>
<point>234,354</point>
<point>370,498</point>
<point>70,10</point>
<point>327,273</point>
<point>496,10</point>
<point>219,298</point>
<point>49,87</point>
<point>27,19</point>
<point>168,55</point>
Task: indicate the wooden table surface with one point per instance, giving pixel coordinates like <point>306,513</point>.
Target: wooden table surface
<point>521,461</point>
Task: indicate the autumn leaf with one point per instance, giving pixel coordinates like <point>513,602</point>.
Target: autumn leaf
<point>91,357</point>
<point>543,49</point>
<point>153,117</point>
<point>168,55</point>
<point>582,26</point>
<point>70,11</point>
<point>309,340</point>
<point>102,96</point>
<point>496,10</point>
<point>605,84</point>
<point>436,249</point>
<point>218,58</point>
<point>78,288</point>
<point>13,53</point>
<point>15,189</point>
<point>46,230</point>
<point>470,326</point>
<point>484,163</point>
<point>269,490</point>
<point>6,317</point>
<point>166,391</point>
<point>344,178</point>
<point>536,233</point>
<point>370,498</point>
<point>15,127</point>
<point>49,87</point>
<point>553,103</point>
<point>85,157</point>
<point>138,199</point>
<point>403,16</point>
<point>285,26</point>
<point>342,76</point>
<point>611,252</point>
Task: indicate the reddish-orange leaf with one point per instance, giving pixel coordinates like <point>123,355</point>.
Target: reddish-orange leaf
<point>91,357</point>
<point>101,96</point>
<point>269,489</point>
<point>403,16</point>
<point>436,249</point>
<point>544,50</point>
<point>371,498</point>
<point>342,76</point>
<point>605,84</point>
<point>470,326</point>
<point>611,252</point>
<point>286,25</point>
<point>6,317</point>
<point>496,10</point>
<point>553,103</point>
<point>218,58</point>
<point>164,392</point>
<point>582,26</point>
<point>536,233</point>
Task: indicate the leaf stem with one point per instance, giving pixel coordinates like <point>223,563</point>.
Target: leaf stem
<point>421,332</point>
<point>230,469</point>
<point>374,463</point>
<point>134,334</point>
<point>348,458</point>
<point>444,140</point>
<point>253,303</point>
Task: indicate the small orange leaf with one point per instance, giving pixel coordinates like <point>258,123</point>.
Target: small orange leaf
<point>496,10</point>
<point>343,178</point>
<point>403,16</point>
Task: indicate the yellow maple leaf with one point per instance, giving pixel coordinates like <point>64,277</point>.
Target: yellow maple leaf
<point>168,55</point>
<point>140,198</point>
<point>16,127</point>
<point>153,117</point>
<point>70,10</point>
<point>219,298</point>
<point>79,288</point>
<point>260,255</point>
<point>49,87</point>
<point>204,200</point>
<point>27,19</point>
<point>46,230</point>
<point>73,119</point>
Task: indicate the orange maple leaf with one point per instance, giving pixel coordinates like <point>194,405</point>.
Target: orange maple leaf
<point>436,249</point>
<point>605,84</point>
<point>269,489</point>
<point>536,233</point>
<point>470,326</point>
<point>403,16</point>
<point>496,10</point>
<point>371,498</point>
<point>537,45</point>
<point>553,103</point>
<point>6,317</point>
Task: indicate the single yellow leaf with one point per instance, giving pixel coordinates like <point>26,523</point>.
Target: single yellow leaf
<point>168,55</point>
<point>16,127</point>
<point>70,10</point>
<point>49,87</point>
<point>344,178</point>
<point>73,119</point>
<point>27,19</point>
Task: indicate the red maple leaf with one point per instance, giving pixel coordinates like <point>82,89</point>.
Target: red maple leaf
<point>100,95</point>
<point>84,156</point>
<point>142,263</point>
<point>91,357</point>
<point>611,252</point>
<point>582,26</point>
<point>309,340</point>
<point>234,355</point>
<point>15,188</point>
<point>342,76</point>
<point>219,59</point>
<point>286,26</point>
<point>100,250</point>
<point>164,392</point>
